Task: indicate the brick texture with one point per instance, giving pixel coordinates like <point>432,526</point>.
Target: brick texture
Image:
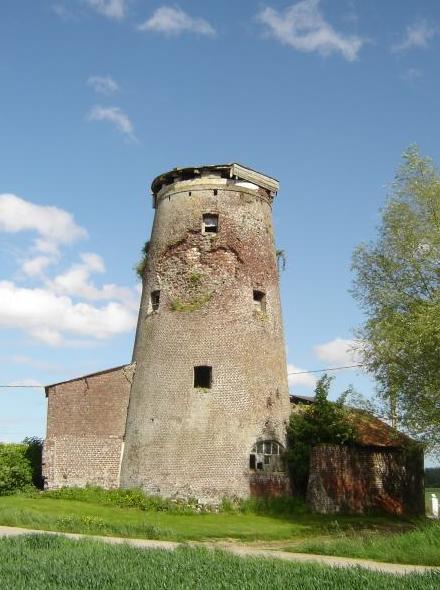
<point>85,429</point>
<point>356,480</point>
<point>182,441</point>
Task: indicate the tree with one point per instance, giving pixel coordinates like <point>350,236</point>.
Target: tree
<point>322,422</point>
<point>397,283</point>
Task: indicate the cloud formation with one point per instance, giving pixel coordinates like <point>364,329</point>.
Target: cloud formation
<point>337,352</point>
<point>307,380</point>
<point>103,84</point>
<point>114,9</point>
<point>116,117</point>
<point>46,316</point>
<point>57,310</point>
<point>417,35</point>
<point>76,281</point>
<point>303,27</point>
<point>174,21</point>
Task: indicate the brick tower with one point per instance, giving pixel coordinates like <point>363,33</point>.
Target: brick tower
<point>209,400</point>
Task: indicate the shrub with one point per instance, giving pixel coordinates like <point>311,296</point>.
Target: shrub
<point>34,454</point>
<point>322,422</point>
<point>15,468</point>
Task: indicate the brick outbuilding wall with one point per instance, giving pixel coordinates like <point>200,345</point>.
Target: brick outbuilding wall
<point>356,480</point>
<point>85,429</point>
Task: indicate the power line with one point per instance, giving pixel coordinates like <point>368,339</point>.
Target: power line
<point>292,373</point>
<point>325,370</point>
<point>21,386</point>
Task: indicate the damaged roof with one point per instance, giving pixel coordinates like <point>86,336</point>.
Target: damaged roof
<point>370,431</point>
<point>232,170</point>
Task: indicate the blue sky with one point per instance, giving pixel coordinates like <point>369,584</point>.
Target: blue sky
<point>99,96</point>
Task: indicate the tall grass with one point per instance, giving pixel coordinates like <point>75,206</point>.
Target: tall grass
<point>44,562</point>
<point>419,546</point>
<point>135,498</point>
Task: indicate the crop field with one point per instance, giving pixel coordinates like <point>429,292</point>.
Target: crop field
<point>48,562</point>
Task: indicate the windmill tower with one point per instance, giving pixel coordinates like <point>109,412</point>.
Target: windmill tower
<point>209,401</point>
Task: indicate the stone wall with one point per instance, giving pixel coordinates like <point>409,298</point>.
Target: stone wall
<point>183,441</point>
<point>357,480</point>
<point>85,429</point>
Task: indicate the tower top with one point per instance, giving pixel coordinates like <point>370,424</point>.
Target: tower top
<point>231,171</point>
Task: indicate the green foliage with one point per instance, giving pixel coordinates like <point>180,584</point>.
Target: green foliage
<point>432,477</point>
<point>125,498</point>
<point>195,278</point>
<point>44,562</point>
<point>15,468</point>
<point>142,264</point>
<point>397,283</point>
<point>321,422</point>
<point>34,454</point>
<point>419,546</point>
<point>192,305</point>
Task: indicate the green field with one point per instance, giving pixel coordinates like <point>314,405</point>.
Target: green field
<point>48,513</point>
<point>44,562</point>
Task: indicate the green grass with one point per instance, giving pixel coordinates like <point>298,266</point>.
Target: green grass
<point>418,546</point>
<point>103,515</point>
<point>44,562</point>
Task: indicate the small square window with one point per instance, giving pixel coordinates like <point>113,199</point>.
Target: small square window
<point>203,377</point>
<point>259,300</point>
<point>210,223</point>
<point>155,300</point>
<point>215,192</point>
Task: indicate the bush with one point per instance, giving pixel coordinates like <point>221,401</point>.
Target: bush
<point>15,468</point>
<point>34,454</point>
<point>322,422</point>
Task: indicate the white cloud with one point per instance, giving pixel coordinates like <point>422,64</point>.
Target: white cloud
<point>76,282</point>
<point>48,316</point>
<point>34,267</point>
<point>103,84</point>
<point>114,9</point>
<point>417,35</point>
<point>303,379</point>
<point>56,311</point>
<point>303,27</point>
<point>337,352</point>
<point>116,117</point>
<point>174,21</point>
<point>54,225</point>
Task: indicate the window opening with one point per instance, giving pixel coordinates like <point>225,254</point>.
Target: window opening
<point>210,223</point>
<point>259,300</point>
<point>155,300</point>
<point>203,377</point>
<point>215,192</point>
<point>266,456</point>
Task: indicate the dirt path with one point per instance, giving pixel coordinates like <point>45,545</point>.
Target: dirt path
<point>241,550</point>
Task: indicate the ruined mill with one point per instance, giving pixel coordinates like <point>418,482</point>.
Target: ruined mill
<point>201,411</point>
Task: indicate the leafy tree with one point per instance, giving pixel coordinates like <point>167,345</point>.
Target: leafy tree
<point>397,283</point>
<point>321,422</point>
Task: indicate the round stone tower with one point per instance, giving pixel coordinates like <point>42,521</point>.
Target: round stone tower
<point>209,401</point>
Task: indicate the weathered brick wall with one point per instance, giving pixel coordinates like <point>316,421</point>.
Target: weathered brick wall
<point>182,441</point>
<point>270,485</point>
<point>356,480</point>
<point>85,429</point>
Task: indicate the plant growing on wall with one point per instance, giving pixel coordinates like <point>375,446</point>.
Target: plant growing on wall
<point>322,422</point>
<point>141,265</point>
